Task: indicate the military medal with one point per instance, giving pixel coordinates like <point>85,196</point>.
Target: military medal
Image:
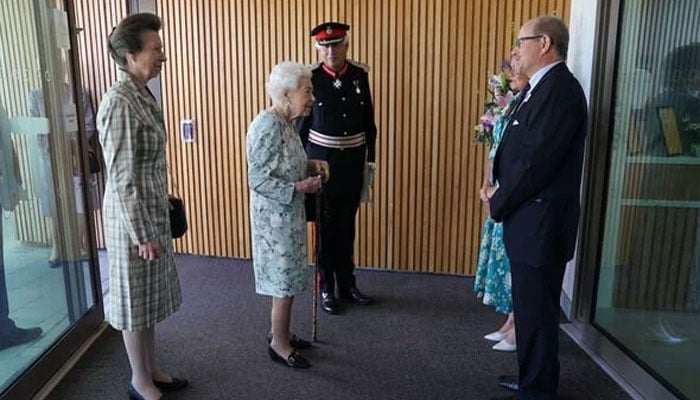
<point>337,83</point>
<point>357,86</point>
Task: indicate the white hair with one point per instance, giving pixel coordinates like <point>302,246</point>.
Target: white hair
<point>321,46</point>
<point>285,77</point>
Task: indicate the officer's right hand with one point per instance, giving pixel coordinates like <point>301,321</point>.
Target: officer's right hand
<point>308,185</point>
<point>320,167</point>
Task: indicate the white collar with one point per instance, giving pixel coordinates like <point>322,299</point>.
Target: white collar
<point>537,76</point>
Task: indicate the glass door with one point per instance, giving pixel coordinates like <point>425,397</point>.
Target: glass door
<point>648,292</point>
<point>49,296</point>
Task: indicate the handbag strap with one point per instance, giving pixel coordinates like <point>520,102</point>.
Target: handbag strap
<point>173,184</point>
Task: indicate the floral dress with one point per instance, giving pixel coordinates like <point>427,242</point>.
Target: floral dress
<point>276,159</point>
<point>492,283</point>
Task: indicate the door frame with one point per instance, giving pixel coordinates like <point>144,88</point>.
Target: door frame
<point>622,365</point>
<point>41,371</point>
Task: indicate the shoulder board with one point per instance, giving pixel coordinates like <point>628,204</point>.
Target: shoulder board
<point>359,64</point>
<point>314,65</point>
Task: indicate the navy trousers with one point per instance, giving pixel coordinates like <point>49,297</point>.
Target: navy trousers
<point>536,294</point>
<point>337,241</point>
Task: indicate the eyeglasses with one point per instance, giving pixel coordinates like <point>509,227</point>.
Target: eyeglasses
<point>519,41</point>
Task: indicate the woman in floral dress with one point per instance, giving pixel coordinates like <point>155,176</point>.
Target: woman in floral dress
<point>278,176</point>
<point>492,282</point>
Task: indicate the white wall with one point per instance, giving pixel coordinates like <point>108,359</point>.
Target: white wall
<point>582,33</point>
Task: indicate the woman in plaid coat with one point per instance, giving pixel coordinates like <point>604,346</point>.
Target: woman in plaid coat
<point>144,287</point>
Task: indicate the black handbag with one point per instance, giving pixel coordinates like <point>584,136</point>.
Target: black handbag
<point>178,217</point>
<point>94,155</point>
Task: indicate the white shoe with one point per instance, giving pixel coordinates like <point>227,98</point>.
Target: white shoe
<point>495,336</point>
<point>503,345</point>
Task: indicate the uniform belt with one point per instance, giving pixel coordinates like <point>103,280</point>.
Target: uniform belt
<point>337,142</point>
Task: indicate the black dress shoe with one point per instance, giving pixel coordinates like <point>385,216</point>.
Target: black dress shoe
<point>14,336</point>
<point>509,382</point>
<point>295,360</point>
<point>354,295</point>
<point>299,343</point>
<point>328,303</point>
<point>134,395</point>
<point>174,386</point>
<point>296,342</point>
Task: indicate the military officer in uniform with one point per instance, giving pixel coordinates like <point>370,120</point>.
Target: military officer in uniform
<point>340,130</point>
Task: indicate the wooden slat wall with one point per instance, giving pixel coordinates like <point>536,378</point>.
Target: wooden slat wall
<point>21,74</point>
<point>17,50</point>
<point>430,60</point>
<point>19,63</point>
<point>98,72</point>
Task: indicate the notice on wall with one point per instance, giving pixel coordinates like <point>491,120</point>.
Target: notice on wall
<point>60,22</point>
<point>187,130</point>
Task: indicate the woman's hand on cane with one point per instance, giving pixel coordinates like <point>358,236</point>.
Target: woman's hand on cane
<point>308,185</point>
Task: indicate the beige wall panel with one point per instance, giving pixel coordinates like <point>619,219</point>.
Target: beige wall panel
<point>17,42</point>
<point>429,59</point>
<point>98,72</point>
<point>17,52</point>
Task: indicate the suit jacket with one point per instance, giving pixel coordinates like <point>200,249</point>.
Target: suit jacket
<point>538,169</point>
<point>343,110</point>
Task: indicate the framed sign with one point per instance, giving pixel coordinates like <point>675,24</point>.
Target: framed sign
<point>669,127</point>
<point>187,130</point>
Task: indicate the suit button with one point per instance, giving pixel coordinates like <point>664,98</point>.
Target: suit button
<point>343,98</point>
<point>345,133</point>
<point>345,115</point>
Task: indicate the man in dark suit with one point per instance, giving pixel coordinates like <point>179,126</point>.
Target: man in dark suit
<point>538,169</point>
<point>341,131</point>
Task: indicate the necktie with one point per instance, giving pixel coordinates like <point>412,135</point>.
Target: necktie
<point>521,98</point>
<point>519,101</point>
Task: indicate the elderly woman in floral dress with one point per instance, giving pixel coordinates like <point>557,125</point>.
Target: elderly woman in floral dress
<point>492,282</point>
<point>279,175</point>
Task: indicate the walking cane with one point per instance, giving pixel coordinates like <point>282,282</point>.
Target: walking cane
<point>317,258</point>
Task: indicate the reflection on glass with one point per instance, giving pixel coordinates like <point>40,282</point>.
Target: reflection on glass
<point>45,279</point>
<point>649,285</point>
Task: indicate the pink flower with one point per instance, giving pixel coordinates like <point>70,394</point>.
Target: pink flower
<point>500,96</point>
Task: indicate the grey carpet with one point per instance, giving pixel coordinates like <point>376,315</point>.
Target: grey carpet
<point>422,340</point>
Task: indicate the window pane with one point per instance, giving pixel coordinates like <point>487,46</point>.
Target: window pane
<point>648,293</point>
<point>45,279</point>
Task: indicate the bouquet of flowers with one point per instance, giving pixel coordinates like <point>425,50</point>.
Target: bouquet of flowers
<point>499,97</point>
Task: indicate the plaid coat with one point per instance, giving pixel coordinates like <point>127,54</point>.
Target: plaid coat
<point>132,134</point>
